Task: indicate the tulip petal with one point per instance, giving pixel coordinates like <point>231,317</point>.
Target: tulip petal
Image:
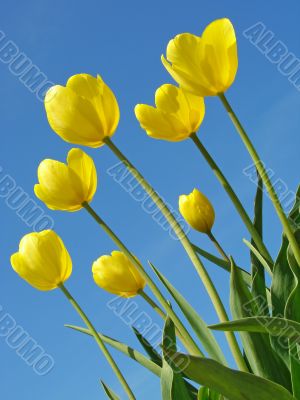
<point>171,99</point>
<point>101,96</point>
<point>42,260</point>
<point>57,187</point>
<point>196,107</point>
<point>117,275</point>
<point>62,107</point>
<point>189,83</point>
<point>84,169</point>
<point>160,125</point>
<point>221,37</point>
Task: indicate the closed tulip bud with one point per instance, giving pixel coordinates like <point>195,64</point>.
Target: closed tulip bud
<point>197,210</point>
<point>42,260</point>
<point>206,65</point>
<point>83,112</point>
<point>67,186</point>
<point>176,116</point>
<point>117,274</point>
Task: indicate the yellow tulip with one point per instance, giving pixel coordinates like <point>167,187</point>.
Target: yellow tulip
<point>117,275</point>
<point>83,112</point>
<point>197,210</point>
<point>42,260</point>
<point>66,186</point>
<point>176,116</point>
<point>206,65</point>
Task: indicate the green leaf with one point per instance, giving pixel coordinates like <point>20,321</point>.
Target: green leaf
<point>294,214</point>
<point>152,353</point>
<point>292,311</point>
<point>110,394</point>
<point>283,281</point>
<point>199,326</point>
<point>255,254</point>
<point>207,394</point>
<point>258,264</point>
<point>125,349</point>
<point>173,386</point>
<point>223,264</point>
<point>234,385</point>
<point>274,326</point>
<point>292,308</point>
<point>295,366</point>
<point>263,360</point>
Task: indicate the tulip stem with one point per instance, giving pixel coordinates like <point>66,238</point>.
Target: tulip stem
<point>189,341</point>
<point>160,312</point>
<point>218,246</point>
<point>99,341</point>
<point>152,304</point>
<point>235,200</point>
<point>264,176</point>
<point>204,276</point>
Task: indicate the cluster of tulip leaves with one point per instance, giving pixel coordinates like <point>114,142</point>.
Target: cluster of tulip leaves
<point>267,320</point>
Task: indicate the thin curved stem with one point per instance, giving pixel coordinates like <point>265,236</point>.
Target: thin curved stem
<point>204,276</point>
<point>99,341</point>
<point>189,341</point>
<point>264,176</point>
<point>160,312</point>
<point>218,246</point>
<point>152,304</point>
<point>235,200</point>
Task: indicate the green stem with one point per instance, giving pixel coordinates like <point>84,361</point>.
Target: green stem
<point>211,290</point>
<point>152,304</point>
<point>218,246</point>
<point>99,341</point>
<point>191,344</point>
<point>235,200</point>
<point>264,176</point>
<point>162,315</point>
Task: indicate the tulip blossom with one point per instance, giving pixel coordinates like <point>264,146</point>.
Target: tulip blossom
<point>176,116</point>
<point>83,112</point>
<point>42,260</point>
<point>117,274</point>
<point>197,210</point>
<point>204,65</point>
<point>67,186</point>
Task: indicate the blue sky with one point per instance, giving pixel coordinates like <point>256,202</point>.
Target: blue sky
<point>123,42</point>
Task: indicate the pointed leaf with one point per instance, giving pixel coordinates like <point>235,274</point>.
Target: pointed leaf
<point>257,265</point>
<point>173,386</point>
<point>222,263</point>
<point>263,360</point>
<point>199,326</point>
<point>292,311</point>
<point>125,349</point>
<point>234,385</point>
<point>110,394</point>
<point>274,326</point>
<point>283,281</point>
<point>152,353</point>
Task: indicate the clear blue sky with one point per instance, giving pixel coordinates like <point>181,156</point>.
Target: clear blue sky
<point>123,42</point>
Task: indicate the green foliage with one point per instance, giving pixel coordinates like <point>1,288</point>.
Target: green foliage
<point>199,326</point>
<point>233,385</point>
<point>109,393</point>
<point>173,386</point>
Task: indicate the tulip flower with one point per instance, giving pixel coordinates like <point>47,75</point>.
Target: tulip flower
<point>197,210</point>
<point>42,260</point>
<point>67,186</point>
<point>176,116</point>
<point>206,65</point>
<point>83,112</point>
<point>117,275</point>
